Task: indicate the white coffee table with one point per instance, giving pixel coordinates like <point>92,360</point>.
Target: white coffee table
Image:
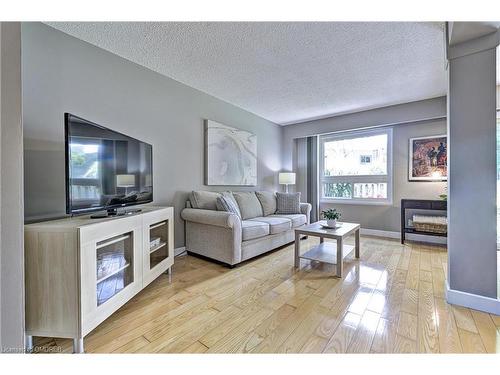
<point>328,252</point>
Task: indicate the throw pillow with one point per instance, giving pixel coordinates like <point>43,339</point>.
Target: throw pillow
<point>226,202</point>
<point>268,202</point>
<point>248,203</point>
<point>205,200</point>
<point>288,203</point>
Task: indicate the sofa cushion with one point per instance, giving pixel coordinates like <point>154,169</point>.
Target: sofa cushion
<point>205,200</point>
<point>249,204</point>
<point>288,203</point>
<point>268,202</point>
<point>276,224</point>
<point>251,229</point>
<point>297,219</point>
<point>226,202</point>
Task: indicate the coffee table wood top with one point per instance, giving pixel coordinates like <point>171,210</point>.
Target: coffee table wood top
<point>315,229</point>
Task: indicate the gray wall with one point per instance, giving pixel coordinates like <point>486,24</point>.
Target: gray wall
<point>472,161</point>
<point>396,114</point>
<point>11,187</point>
<point>404,116</point>
<point>388,217</point>
<point>64,74</point>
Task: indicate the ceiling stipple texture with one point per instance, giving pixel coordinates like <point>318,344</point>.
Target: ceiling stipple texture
<point>285,72</point>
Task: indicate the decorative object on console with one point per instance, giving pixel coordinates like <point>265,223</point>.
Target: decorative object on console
<point>428,159</point>
<point>230,156</point>
<point>431,224</point>
<point>331,215</point>
<point>444,196</point>
<point>286,178</point>
<point>288,203</point>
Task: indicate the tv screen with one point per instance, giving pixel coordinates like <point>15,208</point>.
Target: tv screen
<point>105,169</point>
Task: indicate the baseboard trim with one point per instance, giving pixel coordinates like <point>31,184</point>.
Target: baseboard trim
<point>179,250</point>
<point>472,301</point>
<point>379,233</point>
<point>409,236</point>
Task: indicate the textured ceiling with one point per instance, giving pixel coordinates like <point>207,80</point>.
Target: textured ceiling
<point>285,72</point>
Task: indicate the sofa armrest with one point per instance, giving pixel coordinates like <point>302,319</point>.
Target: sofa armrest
<point>305,208</point>
<point>209,217</point>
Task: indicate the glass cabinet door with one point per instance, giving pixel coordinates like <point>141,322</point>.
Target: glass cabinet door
<point>114,266</point>
<point>158,243</point>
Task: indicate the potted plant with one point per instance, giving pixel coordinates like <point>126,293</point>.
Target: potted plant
<point>331,215</point>
<point>444,196</point>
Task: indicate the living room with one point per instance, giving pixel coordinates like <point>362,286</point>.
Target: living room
<point>250,187</point>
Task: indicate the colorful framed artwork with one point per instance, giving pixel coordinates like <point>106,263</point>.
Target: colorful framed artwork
<point>428,158</point>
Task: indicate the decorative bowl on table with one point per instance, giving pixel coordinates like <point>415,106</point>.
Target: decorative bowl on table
<point>330,224</point>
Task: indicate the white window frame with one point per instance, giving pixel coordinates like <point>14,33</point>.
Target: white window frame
<point>357,178</point>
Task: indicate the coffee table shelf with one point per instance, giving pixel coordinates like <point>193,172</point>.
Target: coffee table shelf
<point>326,252</point>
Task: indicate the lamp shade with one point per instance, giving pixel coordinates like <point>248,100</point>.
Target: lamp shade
<point>286,178</point>
<point>125,180</point>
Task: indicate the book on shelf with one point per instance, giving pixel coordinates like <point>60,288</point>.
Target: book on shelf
<point>110,263</point>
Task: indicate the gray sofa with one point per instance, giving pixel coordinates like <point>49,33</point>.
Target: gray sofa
<point>229,239</point>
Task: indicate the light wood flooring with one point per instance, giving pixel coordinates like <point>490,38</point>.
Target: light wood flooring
<point>390,301</point>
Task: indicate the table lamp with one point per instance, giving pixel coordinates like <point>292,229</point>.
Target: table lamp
<point>286,178</point>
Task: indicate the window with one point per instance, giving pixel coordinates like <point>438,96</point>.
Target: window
<point>366,159</point>
<point>85,171</point>
<point>356,167</point>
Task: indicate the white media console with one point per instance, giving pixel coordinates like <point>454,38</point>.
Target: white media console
<point>79,270</point>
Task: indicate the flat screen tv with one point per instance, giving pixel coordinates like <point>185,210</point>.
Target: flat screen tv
<point>105,169</point>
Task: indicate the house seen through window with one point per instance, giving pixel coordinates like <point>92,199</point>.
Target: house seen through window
<point>356,167</point>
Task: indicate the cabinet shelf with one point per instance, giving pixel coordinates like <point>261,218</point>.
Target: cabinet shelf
<point>157,225</point>
<point>111,274</point>
<point>157,247</point>
<point>412,230</point>
<point>111,242</point>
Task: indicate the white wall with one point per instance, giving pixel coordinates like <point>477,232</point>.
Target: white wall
<point>11,187</point>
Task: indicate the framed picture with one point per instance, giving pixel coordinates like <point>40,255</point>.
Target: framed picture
<point>230,156</point>
<point>428,160</point>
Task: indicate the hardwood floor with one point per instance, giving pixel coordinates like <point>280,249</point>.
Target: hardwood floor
<point>390,301</point>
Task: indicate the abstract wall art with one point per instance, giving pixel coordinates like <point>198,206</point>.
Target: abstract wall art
<point>230,156</point>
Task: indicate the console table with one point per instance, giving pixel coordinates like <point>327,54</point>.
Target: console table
<point>419,204</point>
<point>79,270</point>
